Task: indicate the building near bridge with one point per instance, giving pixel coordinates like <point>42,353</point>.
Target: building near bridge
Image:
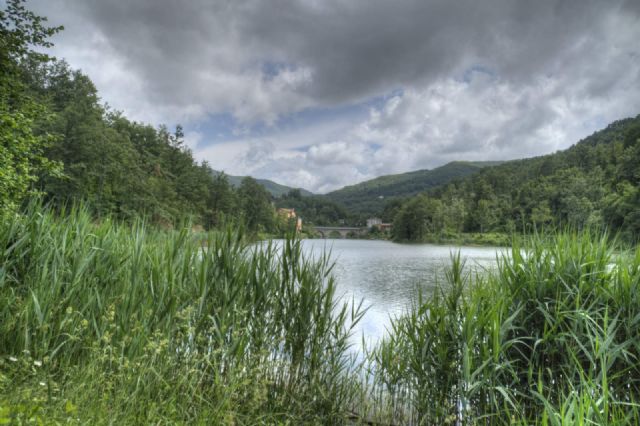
<point>384,227</point>
<point>377,223</point>
<point>373,221</point>
<point>289,214</point>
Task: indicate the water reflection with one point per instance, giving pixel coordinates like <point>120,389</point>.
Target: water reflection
<point>386,275</point>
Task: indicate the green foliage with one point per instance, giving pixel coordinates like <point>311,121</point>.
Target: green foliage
<point>222,203</point>
<point>57,138</point>
<point>257,212</point>
<point>549,337</point>
<point>21,157</point>
<point>369,198</point>
<point>315,210</point>
<point>21,147</point>
<point>595,183</point>
<point>419,218</point>
<point>127,169</point>
<point>112,324</point>
<point>20,31</point>
<point>121,167</point>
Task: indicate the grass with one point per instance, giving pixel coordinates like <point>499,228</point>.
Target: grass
<point>104,323</point>
<point>112,324</point>
<point>495,239</point>
<point>550,338</point>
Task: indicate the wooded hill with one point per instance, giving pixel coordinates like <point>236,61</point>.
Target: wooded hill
<point>57,139</point>
<point>369,198</point>
<point>274,188</point>
<point>593,183</point>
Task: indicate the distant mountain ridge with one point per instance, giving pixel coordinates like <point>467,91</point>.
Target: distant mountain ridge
<point>369,197</point>
<point>275,189</point>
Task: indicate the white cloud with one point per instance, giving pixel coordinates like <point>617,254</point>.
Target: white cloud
<point>477,80</point>
<point>447,121</point>
<point>192,139</point>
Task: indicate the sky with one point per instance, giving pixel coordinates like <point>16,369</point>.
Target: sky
<point>320,94</point>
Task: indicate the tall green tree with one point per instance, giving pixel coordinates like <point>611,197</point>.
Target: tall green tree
<point>222,202</point>
<point>255,201</point>
<point>418,219</point>
<point>21,148</point>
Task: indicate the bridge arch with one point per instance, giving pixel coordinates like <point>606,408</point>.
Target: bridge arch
<point>343,231</point>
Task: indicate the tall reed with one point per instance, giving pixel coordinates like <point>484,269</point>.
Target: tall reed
<point>107,323</point>
<point>117,324</point>
<point>550,337</point>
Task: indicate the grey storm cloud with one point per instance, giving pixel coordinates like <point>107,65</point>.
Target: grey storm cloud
<point>493,79</point>
<point>336,52</point>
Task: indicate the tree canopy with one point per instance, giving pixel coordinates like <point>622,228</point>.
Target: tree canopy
<point>58,139</point>
<point>22,145</point>
<point>593,183</point>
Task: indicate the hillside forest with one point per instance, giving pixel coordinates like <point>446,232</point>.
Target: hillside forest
<point>114,311</point>
<point>59,140</point>
<point>595,183</point>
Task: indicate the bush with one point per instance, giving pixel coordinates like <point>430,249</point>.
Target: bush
<point>550,337</point>
<point>105,323</point>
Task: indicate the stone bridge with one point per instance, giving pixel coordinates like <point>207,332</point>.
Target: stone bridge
<point>344,231</point>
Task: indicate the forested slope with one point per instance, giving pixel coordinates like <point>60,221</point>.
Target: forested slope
<point>316,209</point>
<point>369,197</point>
<point>593,183</point>
<point>58,139</point>
<point>274,188</point>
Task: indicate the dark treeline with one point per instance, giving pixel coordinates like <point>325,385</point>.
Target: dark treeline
<point>369,198</point>
<point>593,183</point>
<point>317,210</point>
<point>58,139</point>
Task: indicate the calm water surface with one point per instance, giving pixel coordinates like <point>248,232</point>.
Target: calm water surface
<point>386,275</point>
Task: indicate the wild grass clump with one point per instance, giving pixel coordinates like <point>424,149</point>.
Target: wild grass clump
<point>107,323</point>
<point>550,337</point>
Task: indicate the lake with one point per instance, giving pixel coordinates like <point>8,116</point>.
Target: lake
<point>385,275</point>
